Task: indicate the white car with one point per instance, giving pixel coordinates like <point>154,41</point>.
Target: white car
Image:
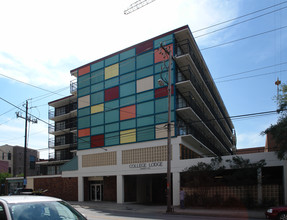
<point>37,207</point>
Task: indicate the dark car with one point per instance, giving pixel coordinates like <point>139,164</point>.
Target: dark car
<point>277,213</point>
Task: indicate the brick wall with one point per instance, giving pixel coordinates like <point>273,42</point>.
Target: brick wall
<point>63,188</point>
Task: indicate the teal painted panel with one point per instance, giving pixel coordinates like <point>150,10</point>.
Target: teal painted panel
<point>97,87</point>
<point>130,100</point>
<point>127,89</point>
<point>159,67</point>
<point>84,143</point>
<point>70,165</point>
<point>145,96</point>
<point>97,98</point>
<point>144,60</point>
<point>83,112</point>
<point>97,119</point>
<point>144,121</point>
<point>97,76</point>
<point>112,82</point>
<point>84,81</point>
<point>96,66</point>
<point>84,122</point>
<point>112,127</point>
<point>145,133</point>
<point>127,124</point>
<point>163,117</point>
<point>112,105</point>
<point>146,108</point>
<point>97,130</point>
<point>84,91</point>
<point>127,66</point>
<point>148,71</point>
<point>127,77</point>
<point>112,116</point>
<point>161,105</point>
<point>112,60</point>
<point>127,54</point>
<point>165,40</point>
<point>112,138</point>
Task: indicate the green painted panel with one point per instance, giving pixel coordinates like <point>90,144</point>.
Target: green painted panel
<point>84,91</point>
<point>96,66</point>
<point>84,81</point>
<point>146,108</point>
<point>97,76</point>
<point>112,138</point>
<point>127,89</point>
<point>145,60</point>
<point>84,122</point>
<point>128,124</point>
<point>128,54</point>
<point>97,87</point>
<point>112,60</point>
<point>84,143</point>
<point>161,105</point>
<point>163,117</point>
<point>127,77</point>
<point>97,119</point>
<point>111,105</point>
<point>127,66</point>
<point>145,133</point>
<point>97,98</point>
<point>144,121</point>
<point>112,82</point>
<point>145,96</point>
<point>165,40</point>
<point>84,111</point>
<point>97,130</point>
<point>148,71</point>
<point>112,116</point>
<point>129,100</point>
<point>112,127</point>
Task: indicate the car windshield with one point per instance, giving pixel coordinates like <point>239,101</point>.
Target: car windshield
<point>58,210</point>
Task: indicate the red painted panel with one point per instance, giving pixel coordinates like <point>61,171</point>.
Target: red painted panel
<point>112,93</point>
<point>84,70</point>
<point>84,132</point>
<point>161,92</point>
<point>128,112</point>
<point>98,140</point>
<point>160,55</point>
<point>143,47</point>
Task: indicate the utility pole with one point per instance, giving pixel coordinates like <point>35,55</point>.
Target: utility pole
<point>27,119</point>
<point>168,179</point>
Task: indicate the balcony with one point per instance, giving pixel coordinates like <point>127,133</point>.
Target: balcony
<point>73,87</point>
<point>62,128</point>
<point>63,144</point>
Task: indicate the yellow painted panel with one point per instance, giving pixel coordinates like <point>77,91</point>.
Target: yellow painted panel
<point>112,71</point>
<point>97,108</point>
<point>128,136</point>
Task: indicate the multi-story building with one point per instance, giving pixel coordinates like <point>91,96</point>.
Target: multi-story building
<point>122,116</point>
<point>14,155</point>
<point>62,133</point>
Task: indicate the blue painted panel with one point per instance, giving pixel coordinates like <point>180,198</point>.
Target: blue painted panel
<point>127,124</point>
<point>127,66</point>
<point>129,100</point>
<point>112,105</point>
<point>97,98</point>
<point>112,138</point>
<point>112,127</point>
<point>84,91</point>
<point>112,116</point>
<point>127,77</point>
<point>97,87</point>
<point>127,89</point>
<point>97,130</point>
<point>84,122</point>
<point>145,108</point>
<point>161,105</point>
<point>148,71</point>
<point>144,60</point>
<point>84,143</point>
<point>97,119</point>
<point>84,81</point>
<point>144,121</point>
<point>112,60</point>
<point>84,111</point>
<point>96,66</point>
<point>145,96</point>
<point>97,76</point>
<point>165,40</point>
<point>109,83</point>
<point>128,54</point>
<point>145,133</point>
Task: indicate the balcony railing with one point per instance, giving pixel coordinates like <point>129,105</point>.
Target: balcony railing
<point>73,86</point>
<point>60,155</point>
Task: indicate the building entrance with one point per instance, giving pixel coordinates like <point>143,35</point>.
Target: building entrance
<point>96,192</point>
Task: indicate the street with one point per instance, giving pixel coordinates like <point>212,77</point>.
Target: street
<point>93,214</point>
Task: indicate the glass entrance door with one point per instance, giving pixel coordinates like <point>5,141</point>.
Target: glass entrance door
<point>96,192</point>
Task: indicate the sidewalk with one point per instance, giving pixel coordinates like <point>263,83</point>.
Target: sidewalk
<point>132,207</point>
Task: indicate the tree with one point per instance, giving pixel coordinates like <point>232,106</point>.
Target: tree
<point>3,177</point>
<point>279,130</point>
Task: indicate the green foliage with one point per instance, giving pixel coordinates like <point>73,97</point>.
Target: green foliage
<point>3,177</point>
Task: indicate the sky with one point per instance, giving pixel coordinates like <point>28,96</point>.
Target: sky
<point>41,41</point>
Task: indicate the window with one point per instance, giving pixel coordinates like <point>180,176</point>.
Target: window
<point>9,156</point>
<point>3,156</point>
<point>60,111</point>
<point>60,140</point>
<point>32,162</point>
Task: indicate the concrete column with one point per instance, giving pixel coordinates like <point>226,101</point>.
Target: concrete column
<point>80,189</point>
<point>176,188</point>
<point>259,186</point>
<point>120,189</point>
<point>285,181</point>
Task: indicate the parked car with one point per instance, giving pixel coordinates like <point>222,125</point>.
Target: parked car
<point>277,213</point>
<point>26,207</point>
<point>23,191</point>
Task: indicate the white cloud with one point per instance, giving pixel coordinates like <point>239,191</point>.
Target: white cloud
<point>248,140</point>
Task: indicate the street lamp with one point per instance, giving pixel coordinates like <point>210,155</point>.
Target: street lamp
<point>162,82</point>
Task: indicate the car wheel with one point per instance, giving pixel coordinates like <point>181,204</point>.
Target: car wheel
<point>282,216</point>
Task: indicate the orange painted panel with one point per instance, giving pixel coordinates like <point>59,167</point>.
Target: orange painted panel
<point>84,70</point>
<point>160,55</point>
<point>84,132</point>
<point>128,112</point>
